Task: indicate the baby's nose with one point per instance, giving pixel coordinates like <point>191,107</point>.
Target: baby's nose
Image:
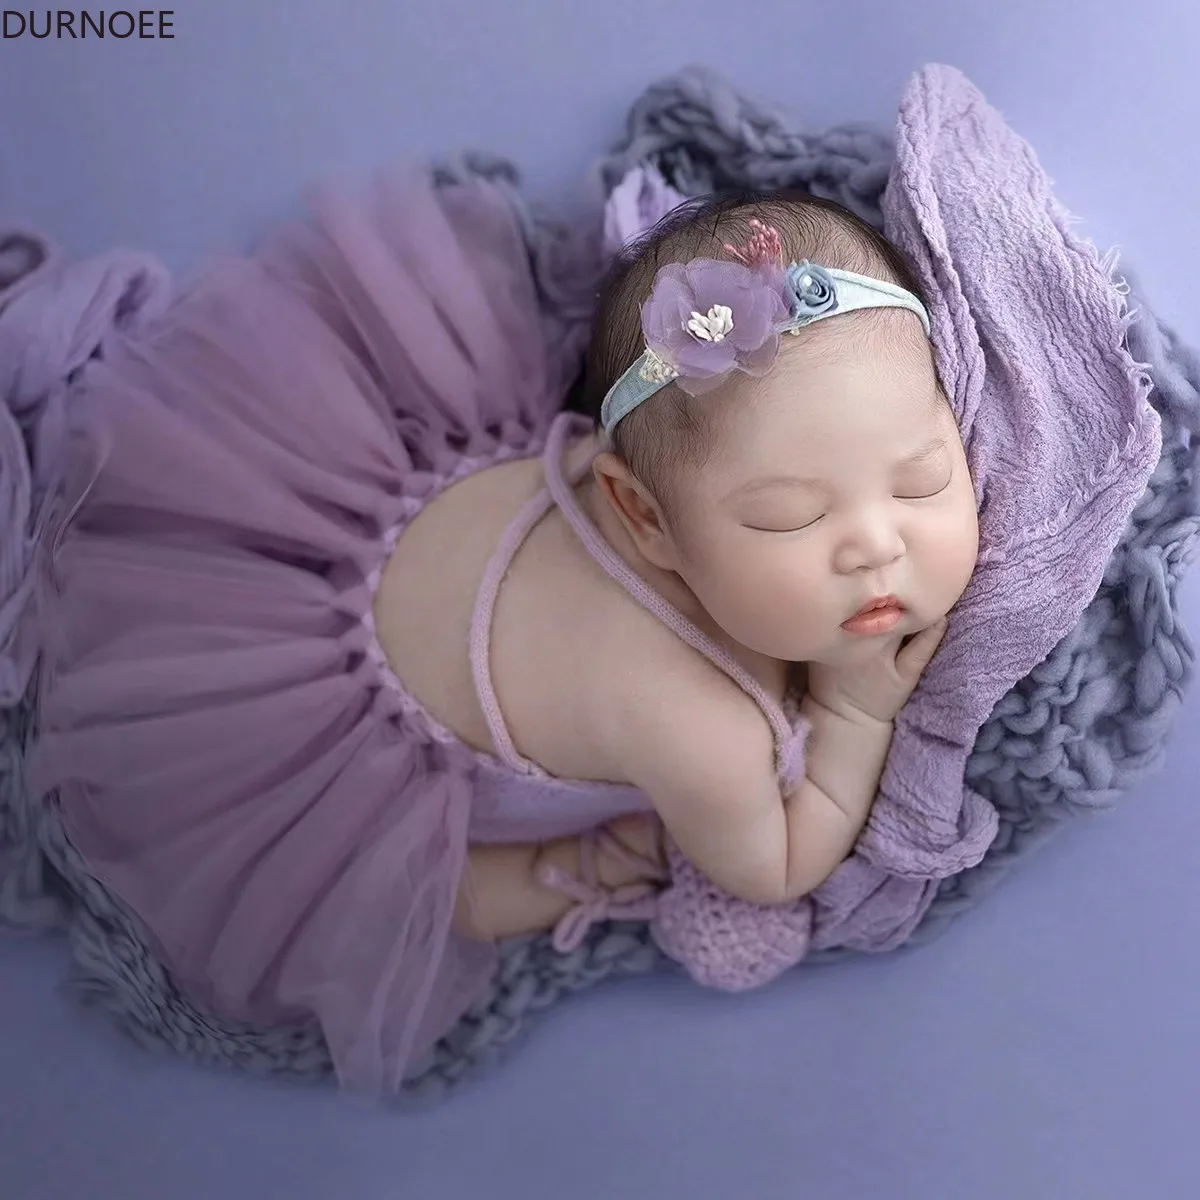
<point>871,548</point>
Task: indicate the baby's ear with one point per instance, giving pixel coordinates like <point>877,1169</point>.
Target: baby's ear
<point>637,510</point>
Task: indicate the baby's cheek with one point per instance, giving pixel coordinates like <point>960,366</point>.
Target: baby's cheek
<point>801,607</point>
<point>769,597</point>
<point>953,554</point>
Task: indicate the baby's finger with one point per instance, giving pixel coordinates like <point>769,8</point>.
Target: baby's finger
<point>914,658</point>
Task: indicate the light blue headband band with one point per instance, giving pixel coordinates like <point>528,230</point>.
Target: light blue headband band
<point>816,293</point>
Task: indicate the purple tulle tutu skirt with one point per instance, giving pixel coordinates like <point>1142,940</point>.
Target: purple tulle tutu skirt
<point>227,758</point>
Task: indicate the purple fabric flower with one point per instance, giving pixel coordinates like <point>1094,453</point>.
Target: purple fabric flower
<point>708,317</point>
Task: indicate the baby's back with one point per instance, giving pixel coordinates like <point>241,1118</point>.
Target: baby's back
<point>574,657</point>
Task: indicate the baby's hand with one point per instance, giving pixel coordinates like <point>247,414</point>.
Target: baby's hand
<point>879,687</point>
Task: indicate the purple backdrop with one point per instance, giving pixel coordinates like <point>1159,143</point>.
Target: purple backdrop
<point>1046,1047</point>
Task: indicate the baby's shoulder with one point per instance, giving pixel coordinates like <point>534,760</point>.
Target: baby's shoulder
<point>675,725</point>
<point>686,728</point>
<point>595,686</point>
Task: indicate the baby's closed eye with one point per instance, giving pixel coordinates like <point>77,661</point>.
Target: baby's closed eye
<point>784,525</point>
<point>924,475</point>
<point>924,484</point>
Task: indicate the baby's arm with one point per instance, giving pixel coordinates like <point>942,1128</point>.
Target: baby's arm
<point>713,781</point>
<point>714,785</point>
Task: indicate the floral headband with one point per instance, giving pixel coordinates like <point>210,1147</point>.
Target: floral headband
<point>709,317</point>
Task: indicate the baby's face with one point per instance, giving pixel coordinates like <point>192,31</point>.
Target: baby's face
<point>839,477</point>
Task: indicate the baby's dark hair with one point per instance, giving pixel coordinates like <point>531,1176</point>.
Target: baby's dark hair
<point>672,430</point>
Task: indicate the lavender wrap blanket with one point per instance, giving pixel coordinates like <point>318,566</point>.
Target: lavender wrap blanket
<point>1074,732</point>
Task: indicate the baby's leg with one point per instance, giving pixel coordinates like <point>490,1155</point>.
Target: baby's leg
<point>501,895</point>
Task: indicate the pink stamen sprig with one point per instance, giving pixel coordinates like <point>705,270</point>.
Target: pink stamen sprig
<point>765,247</point>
